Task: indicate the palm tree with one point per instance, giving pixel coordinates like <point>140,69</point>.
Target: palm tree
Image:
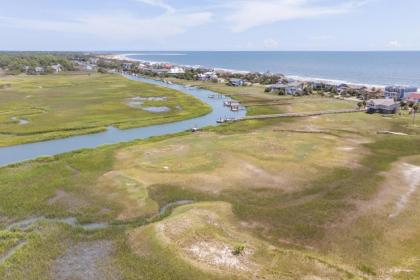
<point>404,104</point>
<point>415,108</point>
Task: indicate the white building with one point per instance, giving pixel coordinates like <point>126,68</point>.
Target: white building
<point>57,68</point>
<point>176,70</point>
<point>207,76</point>
<point>39,69</point>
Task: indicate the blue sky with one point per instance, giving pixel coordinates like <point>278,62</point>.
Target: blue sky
<point>210,25</point>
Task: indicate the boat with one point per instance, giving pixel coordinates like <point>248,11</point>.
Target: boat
<point>221,120</point>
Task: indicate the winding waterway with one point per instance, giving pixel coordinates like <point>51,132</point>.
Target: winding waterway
<point>18,153</point>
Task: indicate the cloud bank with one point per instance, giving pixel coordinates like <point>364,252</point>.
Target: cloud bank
<point>252,13</point>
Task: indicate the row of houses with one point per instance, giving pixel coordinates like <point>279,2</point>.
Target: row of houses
<point>297,87</point>
<point>230,78</point>
<point>56,68</point>
<point>399,92</point>
<point>380,100</point>
<point>385,101</point>
<point>85,65</point>
<point>166,69</point>
<point>291,88</point>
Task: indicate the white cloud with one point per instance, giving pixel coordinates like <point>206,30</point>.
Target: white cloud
<point>271,43</point>
<point>251,13</point>
<point>394,44</point>
<point>158,3</point>
<point>118,26</point>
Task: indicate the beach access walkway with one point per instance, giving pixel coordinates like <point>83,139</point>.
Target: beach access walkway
<point>302,114</point>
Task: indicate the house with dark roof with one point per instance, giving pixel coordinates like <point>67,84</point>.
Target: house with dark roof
<point>342,87</point>
<point>383,106</point>
<point>236,82</point>
<point>126,66</point>
<point>292,88</point>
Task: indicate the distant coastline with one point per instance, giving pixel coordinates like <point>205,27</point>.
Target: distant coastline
<point>355,68</point>
<point>126,57</point>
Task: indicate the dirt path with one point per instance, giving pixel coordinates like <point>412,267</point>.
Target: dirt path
<point>10,253</point>
<point>303,114</point>
<point>411,177</point>
<point>85,261</point>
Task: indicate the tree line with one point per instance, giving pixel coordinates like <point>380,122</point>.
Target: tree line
<point>22,62</point>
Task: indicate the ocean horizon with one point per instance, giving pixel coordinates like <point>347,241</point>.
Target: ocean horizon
<point>376,68</point>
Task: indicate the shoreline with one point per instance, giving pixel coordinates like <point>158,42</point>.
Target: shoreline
<point>10,155</point>
<point>125,57</point>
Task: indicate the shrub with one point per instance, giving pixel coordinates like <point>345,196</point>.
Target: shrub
<point>238,249</point>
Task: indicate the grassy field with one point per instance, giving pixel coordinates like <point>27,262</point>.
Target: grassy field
<point>258,102</point>
<point>321,197</point>
<point>36,108</point>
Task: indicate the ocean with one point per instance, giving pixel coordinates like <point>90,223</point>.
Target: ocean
<point>370,68</point>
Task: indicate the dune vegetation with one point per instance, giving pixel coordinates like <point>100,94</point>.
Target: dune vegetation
<point>323,197</point>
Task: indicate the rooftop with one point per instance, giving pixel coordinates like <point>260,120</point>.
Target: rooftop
<point>384,101</point>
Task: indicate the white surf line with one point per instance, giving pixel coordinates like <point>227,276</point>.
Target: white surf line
<point>411,175</point>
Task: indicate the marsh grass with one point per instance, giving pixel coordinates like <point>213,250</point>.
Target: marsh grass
<point>295,219</point>
<point>82,104</point>
<point>320,203</point>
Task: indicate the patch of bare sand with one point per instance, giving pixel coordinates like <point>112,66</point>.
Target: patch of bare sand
<point>69,201</point>
<point>219,254</point>
<point>400,183</point>
<point>4,220</point>
<point>194,233</point>
<point>410,175</point>
<point>86,261</point>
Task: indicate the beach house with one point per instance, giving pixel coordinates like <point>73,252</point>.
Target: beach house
<point>39,69</point>
<point>414,98</point>
<point>315,85</point>
<point>127,66</point>
<point>342,88</point>
<point>292,88</point>
<point>57,68</point>
<point>26,68</point>
<point>383,106</point>
<point>208,76</point>
<point>236,82</point>
<point>399,92</point>
<point>176,71</point>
